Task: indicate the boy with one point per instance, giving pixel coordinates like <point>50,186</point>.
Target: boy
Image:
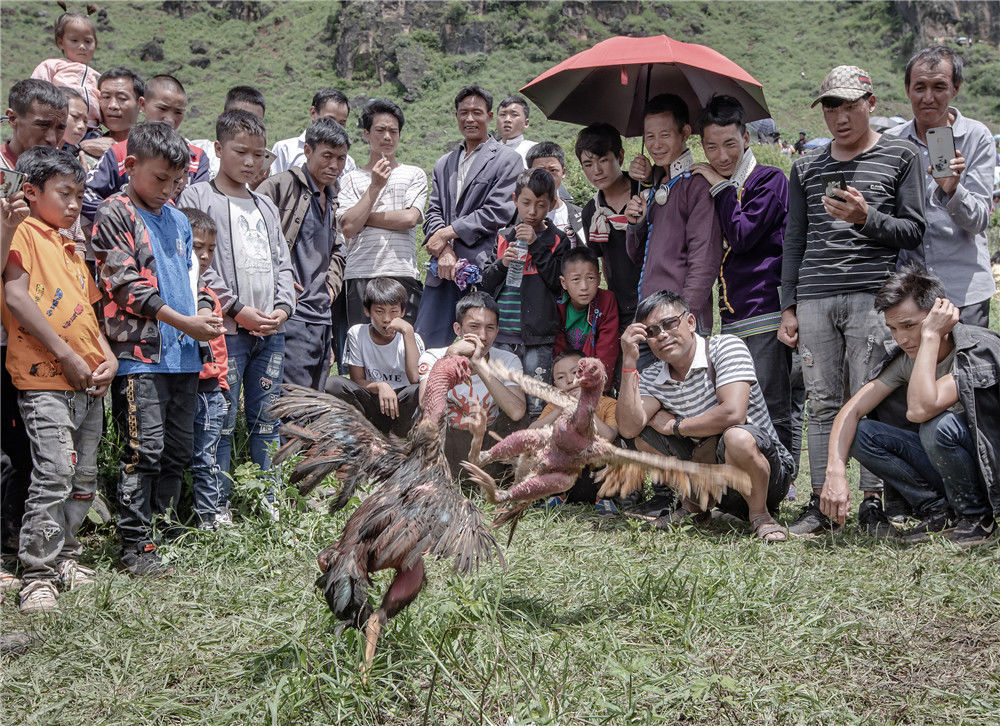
<point>252,275</point>
<point>62,365</point>
<point>243,98</point>
<point>154,319</point>
<point>529,318</point>
<point>549,155</point>
<point>512,120</point>
<point>588,316</point>
<point>382,359</point>
<point>585,489</point>
<point>599,149</point>
<point>206,479</point>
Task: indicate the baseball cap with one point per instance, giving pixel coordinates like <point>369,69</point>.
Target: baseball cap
<point>846,83</point>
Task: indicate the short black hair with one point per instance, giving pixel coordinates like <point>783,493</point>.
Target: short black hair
<point>566,354</point>
<point>538,181</point>
<point>23,93</point>
<point>599,139</point>
<point>325,95</point>
<point>326,131</point>
<point>511,100</point>
<point>722,111</point>
<point>580,253</point>
<point>138,86</point>
<point>544,150</point>
<point>647,305</point>
<point>384,291</point>
<point>244,94</point>
<point>41,163</point>
<point>473,90</point>
<point>71,92</point>
<point>163,81</point>
<point>200,221</point>
<point>668,103</point>
<point>236,120</point>
<point>158,140</point>
<point>380,105</point>
<point>473,300</point>
<point>912,281</point>
<point>932,56</point>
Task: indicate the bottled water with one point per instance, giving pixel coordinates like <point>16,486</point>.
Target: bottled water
<point>515,272</point>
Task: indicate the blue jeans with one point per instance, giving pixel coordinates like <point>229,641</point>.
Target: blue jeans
<point>206,476</point>
<point>537,363</point>
<point>933,470</point>
<point>255,369</point>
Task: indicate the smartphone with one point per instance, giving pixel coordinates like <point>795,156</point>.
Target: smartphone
<point>834,180</point>
<point>269,157</point>
<point>10,181</point>
<point>941,149</point>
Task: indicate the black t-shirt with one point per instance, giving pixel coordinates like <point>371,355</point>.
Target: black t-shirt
<point>621,273</point>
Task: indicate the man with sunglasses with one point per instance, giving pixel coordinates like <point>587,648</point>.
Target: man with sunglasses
<point>700,401</point>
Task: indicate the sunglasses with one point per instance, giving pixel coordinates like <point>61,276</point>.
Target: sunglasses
<point>654,330</point>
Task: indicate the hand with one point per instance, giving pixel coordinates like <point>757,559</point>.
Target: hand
<point>102,376</point>
<point>663,422</point>
<point>298,289</point>
<point>708,171</point>
<point>380,175</point>
<point>76,370</point>
<point>400,326</point>
<point>436,243</point>
<point>387,402</point>
<point>446,264</point>
<point>202,328</point>
<point>848,206</point>
<point>526,232</point>
<point>276,319</point>
<point>635,210</point>
<point>475,422</point>
<point>941,319</point>
<point>252,319</point>
<point>835,500</point>
<point>97,147</point>
<point>641,169</point>
<point>479,350</point>
<point>509,255</point>
<point>633,335</point>
<point>788,331</point>
<point>13,211</point>
<point>464,346</point>
<point>949,184</point>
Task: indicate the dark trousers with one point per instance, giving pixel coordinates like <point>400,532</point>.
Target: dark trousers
<point>354,295</point>
<point>437,314</point>
<point>307,353</point>
<point>976,314</point>
<point>154,413</point>
<point>16,474</point>
<point>367,402</point>
<point>773,362</point>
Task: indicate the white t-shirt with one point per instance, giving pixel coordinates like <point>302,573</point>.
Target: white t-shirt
<point>462,396</point>
<point>375,252</point>
<point>381,362</point>
<point>254,274</point>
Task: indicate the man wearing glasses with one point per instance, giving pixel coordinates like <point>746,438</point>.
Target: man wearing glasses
<point>700,401</point>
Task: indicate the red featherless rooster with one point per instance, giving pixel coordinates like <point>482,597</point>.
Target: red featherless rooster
<point>416,509</point>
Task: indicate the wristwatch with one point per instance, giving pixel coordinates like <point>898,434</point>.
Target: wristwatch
<point>677,425</point>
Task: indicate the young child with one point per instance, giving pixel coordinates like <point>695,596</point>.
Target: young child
<point>529,319</point>
<point>62,366</point>
<point>599,149</point>
<point>210,413</point>
<point>585,489</point>
<point>565,216</point>
<point>76,37</point>
<point>382,359</point>
<point>588,315</point>
<point>252,275</point>
<point>154,318</point>
<point>76,121</point>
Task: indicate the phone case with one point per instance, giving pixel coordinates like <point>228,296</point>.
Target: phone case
<point>10,181</point>
<point>941,150</point>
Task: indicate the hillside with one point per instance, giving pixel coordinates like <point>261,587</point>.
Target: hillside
<point>420,52</point>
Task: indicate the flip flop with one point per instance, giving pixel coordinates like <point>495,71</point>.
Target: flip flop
<point>765,528</point>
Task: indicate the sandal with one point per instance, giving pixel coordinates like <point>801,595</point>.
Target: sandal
<point>768,530</point>
<point>681,515</point>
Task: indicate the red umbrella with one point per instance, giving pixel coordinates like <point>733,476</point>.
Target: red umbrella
<point>612,81</point>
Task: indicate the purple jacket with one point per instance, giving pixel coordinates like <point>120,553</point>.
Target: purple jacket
<point>754,230</point>
<point>685,247</point>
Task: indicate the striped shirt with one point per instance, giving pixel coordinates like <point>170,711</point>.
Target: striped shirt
<point>824,256</point>
<point>696,394</point>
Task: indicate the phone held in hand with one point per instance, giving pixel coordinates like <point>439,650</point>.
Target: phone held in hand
<point>10,182</point>
<point>941,150</point>
<point>834,180</point>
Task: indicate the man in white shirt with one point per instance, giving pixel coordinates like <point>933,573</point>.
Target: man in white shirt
<point>327,103</point>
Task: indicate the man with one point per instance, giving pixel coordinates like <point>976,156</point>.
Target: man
<point>851,207</point>
<point>800,143</point>
<point>327,103</point>
<point>119,92</point>
<point>700,401</point>
<point>37,113</point>
<point>306,198</point>
<point>949,469</point>
<point>512,120</point>
<point>957,207</point>
<point>243,98</point>
<point>472,197</point>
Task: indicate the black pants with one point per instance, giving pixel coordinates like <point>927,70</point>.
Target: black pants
<point>154,413</point>
<point>15,477</point>
<point>307,353</point>
<point>354,295</point>
<point>367,402</point>
<point>773,363</point>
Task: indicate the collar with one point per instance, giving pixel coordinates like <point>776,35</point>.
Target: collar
<point>681,164</point>
<point>463,154</point>
<point>958,128</point>
<point>700,362</point>
<point>69,246</point>
<point>313,189</point>
<point>744,169</point>
<point>8,155</point>
<point>302,139</point>
<point>516,141</point>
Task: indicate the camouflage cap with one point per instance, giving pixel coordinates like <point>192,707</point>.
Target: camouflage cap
<point>847,83</point>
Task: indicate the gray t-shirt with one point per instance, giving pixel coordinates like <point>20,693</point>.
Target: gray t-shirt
<point>897,373</point>
<point>254,270</point>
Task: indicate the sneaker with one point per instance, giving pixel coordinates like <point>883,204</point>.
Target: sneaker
<point>39,596</point>
<point>73,575</point>
<point>606,508</point>
<point>143,561</point>
<point>935,522</point>
<point>972,531</point>
<point>224,518</point>
<point>554,501</point>
<point>654,507</point>
<point>812,521</point>
<point>872,520</point>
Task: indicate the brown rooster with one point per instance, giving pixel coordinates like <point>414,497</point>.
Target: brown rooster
<point>416,509</point>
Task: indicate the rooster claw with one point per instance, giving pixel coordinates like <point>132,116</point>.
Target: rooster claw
<point>487,485</point>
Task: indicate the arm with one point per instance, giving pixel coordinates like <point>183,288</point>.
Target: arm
<point>549,263</point>
<point>638,228</point>
<point>904,229</point>
<point>496,209</point>
<point>606,335</point>
<point>13,211</point>
<point>704,245</point>
<point>762,211</point>
<point>410,348</point>
<point>357,215</point>
<point>102,182</point>
<point>495,271</point>
<point>284,292</point>
<point>730,411</point>
<point>548,417</point>
<point>927,395</point>
<point>510,399</point>
<point>970,204</point>
<point>794,247</point>
<point>435,217</point>
<point>395,220</point>
<point>634,410</point>
<point>335,272</point>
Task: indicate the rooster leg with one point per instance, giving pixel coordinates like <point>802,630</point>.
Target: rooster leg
<point>543,485</point>
<point>487,484</point>
<point>403,590</point>
<point>516,444</point>
<point>372,630</point>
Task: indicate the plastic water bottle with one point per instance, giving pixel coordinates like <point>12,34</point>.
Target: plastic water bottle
<point>515,273</point>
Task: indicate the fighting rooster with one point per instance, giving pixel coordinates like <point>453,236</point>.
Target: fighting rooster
<point>416,509</point>
<point>550,459</point>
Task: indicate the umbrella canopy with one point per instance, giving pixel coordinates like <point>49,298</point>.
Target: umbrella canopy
<point>612,81</point>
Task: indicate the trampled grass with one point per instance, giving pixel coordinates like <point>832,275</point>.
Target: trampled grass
<point>593,621</point>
